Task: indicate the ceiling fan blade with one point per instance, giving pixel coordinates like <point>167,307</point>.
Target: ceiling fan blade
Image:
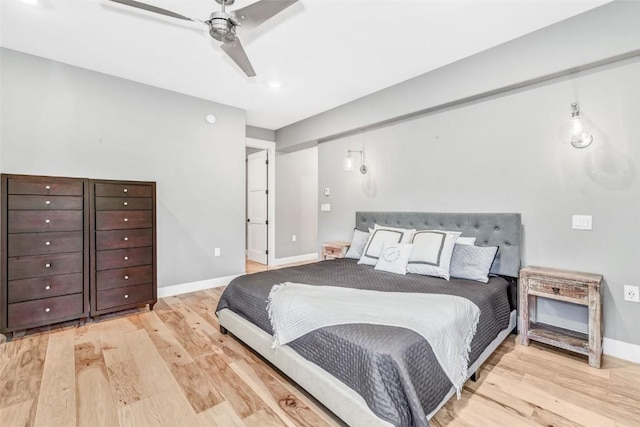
<point>237,53</point>
<point>255,14</point>
<point>154,9</point>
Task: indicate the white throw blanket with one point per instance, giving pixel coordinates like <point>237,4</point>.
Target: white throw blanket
<point>447,322</point>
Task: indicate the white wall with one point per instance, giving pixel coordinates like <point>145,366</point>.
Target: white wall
<point>504,155</point>
<point>296,202</point>
<point>66,121</point>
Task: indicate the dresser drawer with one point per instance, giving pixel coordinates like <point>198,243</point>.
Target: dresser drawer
<point>27,267</point>
<point>120,239</point>
<point>44,243</point>
<point>109,279</point>
<point>123,203</point>
<point>124,296</point>
<point>44,311</point>
<point>121,258</point>
<point>119,220</point>
<point>123,190</point>
<point>45,203</point>
<point>45,186</point>
<point>559,290</point>
<point>45,287</point>
<point>36,221</point>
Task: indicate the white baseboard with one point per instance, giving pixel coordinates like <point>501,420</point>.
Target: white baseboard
<point>297,258</point>
<point>183,288</point>
<point>621,350</point>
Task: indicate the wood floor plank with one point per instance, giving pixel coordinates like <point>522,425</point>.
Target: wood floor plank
<point>194,344</point>
<point>18,414</point>
<point>263,418</point>
<point>22,376</point>
<point>94,400</point>
<point>57,399</point>
<point>221,415</point>
<point>139,414</point>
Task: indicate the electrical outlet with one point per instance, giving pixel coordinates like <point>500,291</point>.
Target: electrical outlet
<point>216,252</point>
<point>294,238</point>
<point>582,222</point>
<point>631,294</point>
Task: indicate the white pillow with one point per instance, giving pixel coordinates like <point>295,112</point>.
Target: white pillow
<point>432,252</point>
<point>408,232</point>
<point>394,257</point>
<point>376,240</point>
<point>466,241</point>
<point>358,242</point>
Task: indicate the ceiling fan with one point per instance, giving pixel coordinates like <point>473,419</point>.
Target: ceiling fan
<point>222,25</point>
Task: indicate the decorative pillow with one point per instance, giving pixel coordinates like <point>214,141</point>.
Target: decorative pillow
<point>394,257</point>
<point>358,243</point>
<point>432,252</point>
<point>472,262</point>
<point>377,238</point>
<point>466,241</point>
<point>408,232</point>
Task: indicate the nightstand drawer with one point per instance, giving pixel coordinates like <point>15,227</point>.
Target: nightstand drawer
<point>123,190</point>
<point>575,293</point>
<point>120,220</point>
<point>17,202</point>
<point>333,252</point>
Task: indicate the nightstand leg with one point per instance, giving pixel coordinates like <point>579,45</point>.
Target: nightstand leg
<point>595,328</point>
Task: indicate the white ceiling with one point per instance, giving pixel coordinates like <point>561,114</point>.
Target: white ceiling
<point>324,52</point>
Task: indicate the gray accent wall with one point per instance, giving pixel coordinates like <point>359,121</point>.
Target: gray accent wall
<point>260,133</point>
<point>505,154</point>
<point>296,202</point>
<point>67,121</point>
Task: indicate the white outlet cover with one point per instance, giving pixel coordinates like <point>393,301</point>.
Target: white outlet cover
<point>582,222</point>
<point>216,252</point>
<point>632,293</point>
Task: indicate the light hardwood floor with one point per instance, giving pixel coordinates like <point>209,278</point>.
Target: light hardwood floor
<point>171,367</point>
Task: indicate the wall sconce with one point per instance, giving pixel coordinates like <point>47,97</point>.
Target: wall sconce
<point>578,130</point>
<point>348,162</point>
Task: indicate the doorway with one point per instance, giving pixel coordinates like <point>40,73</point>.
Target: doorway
<point>260,211</point>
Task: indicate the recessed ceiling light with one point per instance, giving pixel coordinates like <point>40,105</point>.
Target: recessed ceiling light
<point>31,2</point>
<point>275,84</point>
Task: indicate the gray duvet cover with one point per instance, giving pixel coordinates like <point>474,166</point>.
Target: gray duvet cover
<point>393,369</point>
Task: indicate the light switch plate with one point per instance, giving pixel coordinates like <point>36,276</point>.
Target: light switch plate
<point>216,252</point>
<point>582,222</point>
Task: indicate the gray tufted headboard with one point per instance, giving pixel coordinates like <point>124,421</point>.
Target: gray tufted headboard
<point>489,229</point>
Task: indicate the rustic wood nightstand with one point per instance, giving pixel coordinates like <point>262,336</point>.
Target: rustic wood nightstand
<point>333,250</point>
<point>562,285</point>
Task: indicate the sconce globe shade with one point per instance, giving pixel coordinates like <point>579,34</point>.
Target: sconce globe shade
<point>580,134</point>
<point>348,163</point>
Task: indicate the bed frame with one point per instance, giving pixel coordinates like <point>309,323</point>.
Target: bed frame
<point>490,229</point>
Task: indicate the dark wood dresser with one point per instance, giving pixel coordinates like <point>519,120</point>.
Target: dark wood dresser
<point>45,251</point>
<point>123,245</point>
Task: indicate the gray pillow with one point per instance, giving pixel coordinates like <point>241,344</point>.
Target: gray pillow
<point>472,262</point>
<point>358,243</point>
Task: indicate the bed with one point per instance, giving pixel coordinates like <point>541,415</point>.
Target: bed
<point>375,375</point>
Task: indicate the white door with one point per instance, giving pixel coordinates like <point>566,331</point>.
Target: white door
<point>257,164</point>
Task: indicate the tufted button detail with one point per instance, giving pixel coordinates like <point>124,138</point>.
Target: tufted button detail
<point>441,224</point>
<point>458,225</point>
<point>497,228</point>
<point>486,242</point>
<point>476,226</point>
<point>507,244</point>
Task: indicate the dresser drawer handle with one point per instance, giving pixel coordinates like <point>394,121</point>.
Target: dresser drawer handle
<point>46,288</point>
<point>126,239</point>
<point>125,203</point>
<point>47,221</point>
<point>48,202</point>
<point>126,296</point>
<point>126,258</point>
<point>47,243</point>
<point>125,190</point>
<point>126,277</point>
<point>47,310</point>
<point>556,291</point>
<point>47,265</point>
<point>47,187</point>
<point>126,220</point>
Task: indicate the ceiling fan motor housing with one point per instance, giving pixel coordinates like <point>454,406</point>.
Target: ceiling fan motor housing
<point>221,27</point>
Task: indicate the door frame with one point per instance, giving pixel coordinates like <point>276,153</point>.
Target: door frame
<point>270,147</point>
